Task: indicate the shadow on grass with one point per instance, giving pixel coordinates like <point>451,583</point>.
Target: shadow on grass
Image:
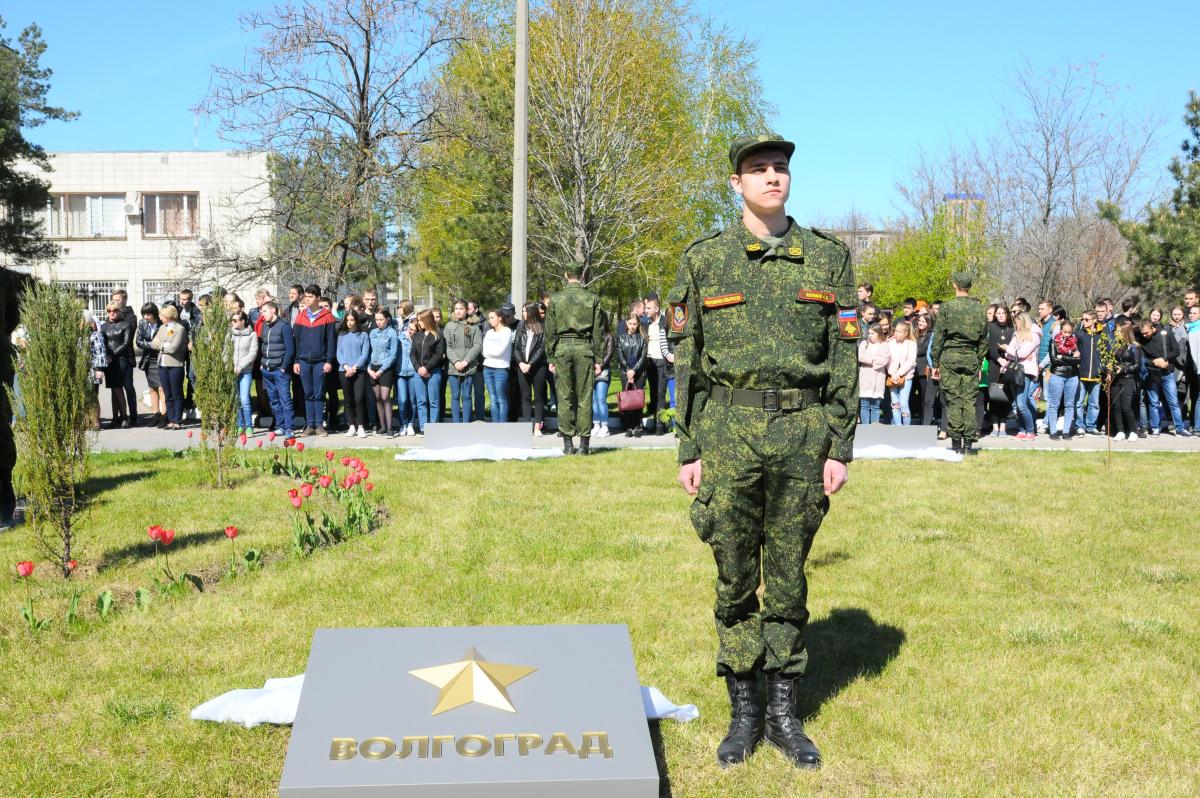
<point>144,550</point>
<point>660,759</point>
<point>842,647</point>
<point>94,486</point>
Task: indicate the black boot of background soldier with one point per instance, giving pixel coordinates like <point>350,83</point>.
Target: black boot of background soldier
<point>784,729</point>
<point>585,445</point>
<point>956,445</point>
<point>745,720</point>
<point>568,445</point>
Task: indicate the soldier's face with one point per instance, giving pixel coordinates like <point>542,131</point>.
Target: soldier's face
<point>764,181</point>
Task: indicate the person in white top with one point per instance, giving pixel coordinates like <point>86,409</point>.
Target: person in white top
<point>902,364</point>
<point>497,354</point>
<point>656,366</point>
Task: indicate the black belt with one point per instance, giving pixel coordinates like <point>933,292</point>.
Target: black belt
<point>771,401</point>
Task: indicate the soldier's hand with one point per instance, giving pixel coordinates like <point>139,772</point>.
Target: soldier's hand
<point>836,475</point>
<point>689,477</point>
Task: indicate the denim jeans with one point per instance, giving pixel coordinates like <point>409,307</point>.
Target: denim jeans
<point>600,402</point>
<point>171,378</point>
<point>670,391</point>
<point>1159,386</point>
<point>404,399</point>
<point>279,395</point>
<point>868,409</point>
<point>496,381</point>
<point>1026,409</point>
<point>900,412</point>
<point>245,420</point>
<point>312,377</point>
<point>1061,389</point>
<point>428,393</point>
<point>1087,405</point>
<point>460,398</point>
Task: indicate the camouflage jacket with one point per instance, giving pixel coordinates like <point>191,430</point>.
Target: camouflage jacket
<point>961,328</point>
<point>574,313</point>
<point>745,316</point>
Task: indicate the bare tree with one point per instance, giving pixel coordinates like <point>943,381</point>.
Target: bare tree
<point>337,92</point>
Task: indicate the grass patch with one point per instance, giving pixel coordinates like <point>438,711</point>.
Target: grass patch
<point>1023,659</point>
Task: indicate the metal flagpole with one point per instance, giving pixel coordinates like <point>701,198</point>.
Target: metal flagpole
<point>520,159</point>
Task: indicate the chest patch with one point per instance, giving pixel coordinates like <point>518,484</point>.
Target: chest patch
<point>809,295</point>
<point>848,326</point>
<point>724,300</point>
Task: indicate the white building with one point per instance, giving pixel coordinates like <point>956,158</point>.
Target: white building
<point>145,221</point>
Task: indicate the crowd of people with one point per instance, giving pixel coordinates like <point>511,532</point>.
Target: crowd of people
<point>1119,370</point>
<point>316,365</point>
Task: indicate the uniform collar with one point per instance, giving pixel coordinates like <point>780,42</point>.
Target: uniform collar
<point>791,247</point>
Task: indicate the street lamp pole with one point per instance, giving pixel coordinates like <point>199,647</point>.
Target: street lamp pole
<point>520,223</point>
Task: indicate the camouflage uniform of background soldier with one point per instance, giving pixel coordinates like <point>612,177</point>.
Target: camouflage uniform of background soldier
<point>574,338</point>
<point>959,346</point>
<point>765,334</point>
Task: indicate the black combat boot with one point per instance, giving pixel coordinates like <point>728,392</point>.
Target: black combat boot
<point>784,729</point>
<point>956,445</point>
<point>568,445</point>
<point>585,444</point>
<point>967,448</point>
<point>745,720</point>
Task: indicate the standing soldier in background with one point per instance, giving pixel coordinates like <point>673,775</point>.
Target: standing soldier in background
<point>765,323</point>
<point>574,344</point>
<point>959,345</point>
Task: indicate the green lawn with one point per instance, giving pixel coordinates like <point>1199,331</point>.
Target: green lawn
<point>1020,624</point>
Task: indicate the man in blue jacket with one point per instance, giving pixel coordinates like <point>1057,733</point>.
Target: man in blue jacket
<point>277,352</point>
<point>315,334</point>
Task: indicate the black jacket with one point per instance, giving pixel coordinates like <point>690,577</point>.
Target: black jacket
<point>630,347</point>
<point>537,354</point>
<point>1063,365</point>
<point>428,351</point>
<point>1161,344</point>
<point>118,340</point>
<point>277,345</point>
<point>1091,367</point>
<point>1129,363</point>
<point>143,337</point>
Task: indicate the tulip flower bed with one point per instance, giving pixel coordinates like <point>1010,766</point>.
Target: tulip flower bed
<point>1027,658</point>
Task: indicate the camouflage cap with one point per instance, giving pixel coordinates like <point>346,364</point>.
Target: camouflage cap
<point>962,280</point>
<point>746,145</point>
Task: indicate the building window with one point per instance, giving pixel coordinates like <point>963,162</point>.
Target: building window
<point>94,293</point>
<point>159,291</point>
<point>83,216</point>
<point>171,215</point>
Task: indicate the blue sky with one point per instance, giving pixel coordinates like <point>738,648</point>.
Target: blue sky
<point>860,87</point>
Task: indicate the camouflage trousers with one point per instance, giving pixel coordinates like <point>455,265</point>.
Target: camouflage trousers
<point>960,383</point>
<point>760,503</point>
<point>574,378</point>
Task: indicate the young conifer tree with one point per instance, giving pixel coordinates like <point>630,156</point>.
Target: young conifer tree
<point>216,389</point>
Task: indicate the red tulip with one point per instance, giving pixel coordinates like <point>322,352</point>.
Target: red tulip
<point>271,436</point>
<point>329,456</point>
<point>260,444</point>
<point>24,568</point>
<point>293,493</point>
<point>356,464</point>
<point>363,473</point>
<point>155,532</point>
<point>189,433</point>
<point>306,490</point>
<point>168,535</point>
<point>314,471</point>
<point>72,565</point>
<point>346,483</point>
<point>345,461</point>
<point>300,446</point>
<point>231,532</point>
<point>297,501</point>
<point>289,442</point>
<point>325,480</point>
<point>242,439</point>
<point>370,486</point>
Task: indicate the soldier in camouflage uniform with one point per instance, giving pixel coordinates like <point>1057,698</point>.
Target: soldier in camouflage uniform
<point>574,346</point>
<point>765,323</point>
<point>959,346</point>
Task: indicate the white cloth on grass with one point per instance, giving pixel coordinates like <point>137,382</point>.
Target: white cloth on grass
<point>277,700</point>
<point>478,451</point>
<point>885,452</point>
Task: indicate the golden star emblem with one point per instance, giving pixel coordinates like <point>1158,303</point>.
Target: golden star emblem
<point>473,680</point>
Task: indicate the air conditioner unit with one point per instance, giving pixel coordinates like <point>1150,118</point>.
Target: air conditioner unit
<point>204,243</point>
<point>133,209</point>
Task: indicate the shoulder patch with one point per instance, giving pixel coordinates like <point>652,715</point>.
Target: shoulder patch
<point>848,323</point>
<point>679,316</point>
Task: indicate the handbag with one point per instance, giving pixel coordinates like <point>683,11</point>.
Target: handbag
<point>1013,376</point>
<point>896,382</point>
<point>631,399</point>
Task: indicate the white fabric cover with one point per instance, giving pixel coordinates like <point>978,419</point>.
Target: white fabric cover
<point>479,451</point>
